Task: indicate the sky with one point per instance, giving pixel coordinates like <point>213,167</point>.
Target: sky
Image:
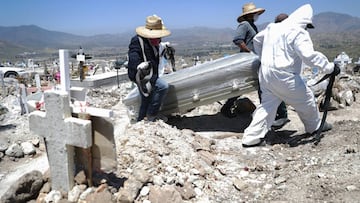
<point>91,17</point>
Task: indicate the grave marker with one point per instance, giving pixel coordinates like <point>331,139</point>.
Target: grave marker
<point>61,133</point>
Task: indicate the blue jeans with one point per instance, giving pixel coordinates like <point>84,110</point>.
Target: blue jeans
<point>151,105</point>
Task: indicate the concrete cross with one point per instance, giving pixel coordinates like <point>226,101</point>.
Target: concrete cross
<point>61,133</point>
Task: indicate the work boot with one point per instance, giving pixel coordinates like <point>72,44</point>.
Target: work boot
<point>279,123</point>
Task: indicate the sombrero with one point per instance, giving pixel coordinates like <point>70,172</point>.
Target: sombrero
<point>154,28</point>
<point>249,8</point>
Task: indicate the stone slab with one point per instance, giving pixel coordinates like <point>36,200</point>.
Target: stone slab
<point>98,80</point>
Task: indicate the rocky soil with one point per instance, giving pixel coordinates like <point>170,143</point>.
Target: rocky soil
<point>198,157</point>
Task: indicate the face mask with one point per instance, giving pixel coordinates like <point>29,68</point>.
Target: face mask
<point>256,17</point>
<point>155,41</point>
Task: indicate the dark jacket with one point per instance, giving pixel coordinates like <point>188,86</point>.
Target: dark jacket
<point>136,57</point>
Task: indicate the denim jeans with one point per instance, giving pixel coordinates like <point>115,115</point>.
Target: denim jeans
<point>151,105</point>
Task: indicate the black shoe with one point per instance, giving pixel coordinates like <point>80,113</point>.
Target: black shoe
<point>279,123</point>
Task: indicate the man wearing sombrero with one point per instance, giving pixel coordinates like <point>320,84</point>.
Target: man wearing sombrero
<point>143,67</point>
<point>245,33</point>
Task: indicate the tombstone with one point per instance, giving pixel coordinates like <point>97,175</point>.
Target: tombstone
<point>102,155</point>
<point>23,100</point>
<point>343,60</point>
<point>61,132</point>
<point>38,83</point>
<point>64,70</point>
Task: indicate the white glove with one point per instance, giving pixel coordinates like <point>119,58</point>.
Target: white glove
<point>143,65</point>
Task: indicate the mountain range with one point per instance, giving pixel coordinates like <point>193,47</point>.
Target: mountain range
<point>333,33</point>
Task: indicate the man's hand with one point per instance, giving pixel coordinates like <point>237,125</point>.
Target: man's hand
<point>143,65</point>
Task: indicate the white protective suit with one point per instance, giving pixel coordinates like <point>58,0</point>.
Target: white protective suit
<point>282,48</point>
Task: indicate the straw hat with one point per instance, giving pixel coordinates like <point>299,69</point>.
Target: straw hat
<point>154,28</point>
<point>249,8</point>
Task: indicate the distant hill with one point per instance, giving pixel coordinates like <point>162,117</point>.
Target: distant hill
<point>7,49</point>
<point>330,22</point>
<point>333,34</point>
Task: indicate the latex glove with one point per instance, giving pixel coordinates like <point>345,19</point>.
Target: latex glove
<point>143,65</point>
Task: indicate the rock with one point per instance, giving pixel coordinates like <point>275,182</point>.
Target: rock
<point>36,142</point>
<point>15,150</point>
<point>28,148</point>
<point>280,180</point>
<point>74,194</point>
<point>240,184</point>
<point>46,188</point>
<point>207,157</point>
<point>80,177</point>
<point>187,191</point>
<point>3,145</point>
<point>86,193</point>
<point>103,196</point>
<point>54,196</point>
<point>166,193</point>
<point>130,190</point>
<point>25,189</point>
<point>141,175</point>
<point>144,191</point>
<point>158,180</point>
<point>351,188</point>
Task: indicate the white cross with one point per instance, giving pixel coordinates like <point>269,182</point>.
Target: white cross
<point>61,133</point>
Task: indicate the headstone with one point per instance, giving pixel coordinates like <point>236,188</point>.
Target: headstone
<point>23,100</point>
<point>102,155</point>
<point>64,70</point>
<point>343,60</point>
<point>61,133</point>
<point>38,82</point>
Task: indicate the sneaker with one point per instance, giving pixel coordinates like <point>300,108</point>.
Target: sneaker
<point>253,142</point>
<point>279,123</point>
<point>327,126</point>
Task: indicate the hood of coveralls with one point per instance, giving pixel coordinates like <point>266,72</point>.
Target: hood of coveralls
<point>301,17</point>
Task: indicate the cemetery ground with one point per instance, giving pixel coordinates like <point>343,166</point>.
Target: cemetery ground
<point>198,157</point>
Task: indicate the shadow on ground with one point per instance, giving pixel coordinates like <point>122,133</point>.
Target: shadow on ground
<point>216,122</point>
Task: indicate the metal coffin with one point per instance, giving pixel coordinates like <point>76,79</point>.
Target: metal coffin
<point>206,83</point>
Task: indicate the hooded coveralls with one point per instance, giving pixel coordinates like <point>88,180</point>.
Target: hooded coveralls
<point>282,48</point>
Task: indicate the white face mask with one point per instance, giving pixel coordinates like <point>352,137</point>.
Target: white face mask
<point>256,17</point>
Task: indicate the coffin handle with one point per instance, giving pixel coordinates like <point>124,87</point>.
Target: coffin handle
<point>196,95</point>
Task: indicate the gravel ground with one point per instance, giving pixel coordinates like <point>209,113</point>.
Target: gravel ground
<point>204,148</point>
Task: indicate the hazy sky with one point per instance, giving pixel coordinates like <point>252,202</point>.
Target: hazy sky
<point>90,17</point>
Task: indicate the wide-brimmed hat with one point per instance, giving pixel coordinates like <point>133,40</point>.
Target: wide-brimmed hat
<point>249,8</point>
<point>154,28</point>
